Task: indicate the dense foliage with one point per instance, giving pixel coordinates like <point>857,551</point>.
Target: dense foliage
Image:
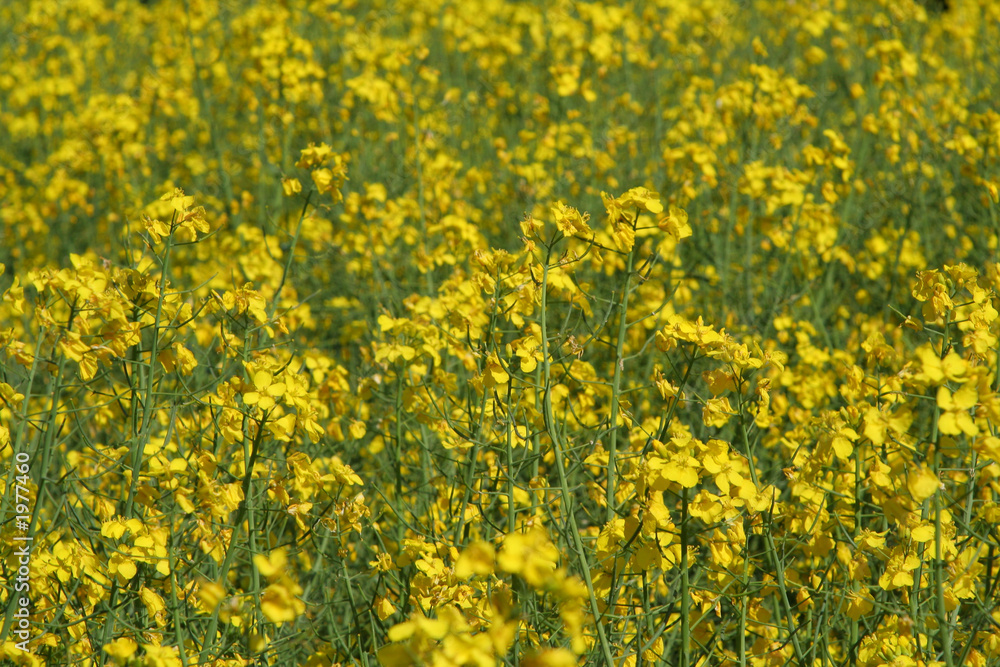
<point>473,333</point>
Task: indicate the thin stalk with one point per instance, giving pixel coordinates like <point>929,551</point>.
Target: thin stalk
<point>474,454</point>
<point>142,437</point>
<point>779,571</point>
<point>291,256</point>
<point>241,512</point>
<point>511,509</point>
<point>612,479</point>
<point>397,460</point>
<point>944,629</point>
<point>567,500</point>
<point>685,585</point>
<point>858,480</point>
<point>941,612</point>
<point>745,606</point>
<point>509,453</point>
<point>175,607</point>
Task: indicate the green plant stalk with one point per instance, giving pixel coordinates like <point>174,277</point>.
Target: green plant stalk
<point>647,614</point>
<point>252,538</point>
<point>474,454</point>
<point>511,510</point>
<point>772,551</point>
<point>745,606</point>
<point>515,649</point>
<point>675,401</point>
<point>426,467</point>
<point>142,437</point>
<point>944,629</point>
<point>918,576</point>
<point>854,629</point>
<point>137,426</point>
<point>206,104</point>
<point>241,512</point>
<point>421,196</point>
<point>941,613</point>
<point>179,635</point>
<point>685,585</point>
<point>350,595</point>
<point>996,228</point>
<point>969,499</point>
<point>612,478</point>
<point>536,441</point>
<point>567,500</point>
<point>397,460</point>
<point>50,437</point>
<point>291,256</point>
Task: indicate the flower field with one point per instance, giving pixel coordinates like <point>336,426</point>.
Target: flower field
<point>484,333</point>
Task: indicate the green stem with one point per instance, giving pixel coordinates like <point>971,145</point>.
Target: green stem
<point>470,472</point>
<point>567,500</point>
<point>772,551</point>
<point>290,257</point>
<point>944,630</point>
<point>685,585</point>
<point>745,605</point>
<point>241,512</point>
<point>142,437</point>
<point>616,389</point>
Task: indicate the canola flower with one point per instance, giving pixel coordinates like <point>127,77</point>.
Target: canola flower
<point>501,333</point>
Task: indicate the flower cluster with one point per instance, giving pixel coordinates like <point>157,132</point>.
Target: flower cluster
<point>491,333</point>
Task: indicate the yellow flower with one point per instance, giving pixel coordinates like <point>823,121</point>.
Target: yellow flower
<point>264,390</point>
<point>271,566</point>
<point>719,381</point>
<point>898,571</point>
<point>569,221</point>
<point>935,370</point>
<point>495,372</point>
<point>956,418</point>
<point>922,483</point>
<point>677,467</point>
<point>717,412</point>
<point>122,567</point>
<point>323,178</point>
<point>179,202</point>
<point>528,350</point>
<point>675,223</point>
<point>192,223</point>
<point>642,198</point>
<point>477,559</point>
<point>291,186</point>
<point>280,602</point>
<point>121,649</point>
<point>116,528</point>
<point>210,595</point>
<point>530,555</point>
<point>384,607</point>
<point>155,607</point>
<point>859,605</point>
<point>161,656</point>
<point>177,357</point>
<point>157,229</point>
<point>314,155</point>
